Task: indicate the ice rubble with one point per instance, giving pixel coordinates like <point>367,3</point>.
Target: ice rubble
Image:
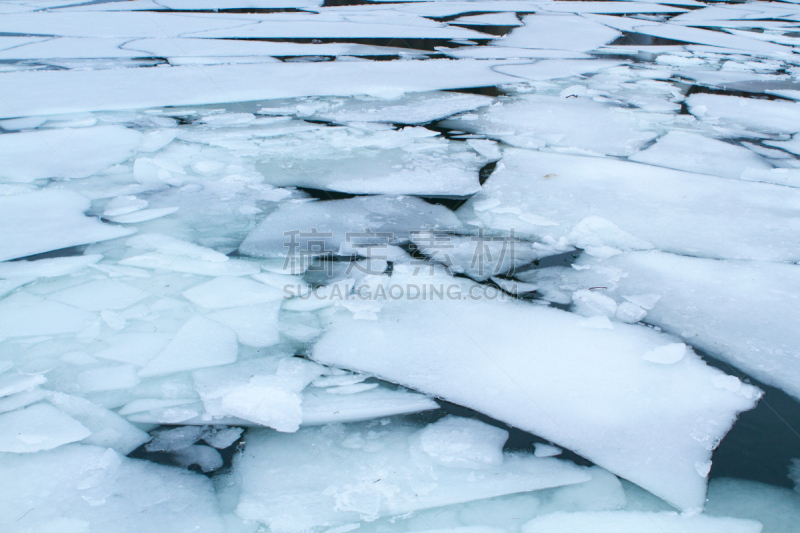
<point>363,471</point>
<point>535,193</point>
<point>470,339</point>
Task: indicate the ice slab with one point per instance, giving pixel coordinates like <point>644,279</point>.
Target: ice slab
<point>26,315</point>
<point>91,489</point>
<point>109,430</point>
<point>99,295</point>
<point>64,153</point>
<point>321,408</point>
<point>335,475</point>
<point>208,48</point>
<point>576,123</point>
<point>564,32</point>
<point>613,521</point>
<point>327,26</point>
<point>696,153</point>
<point>199,343</point>
<point>551,69</point>
<point>255,325</point>
<point>29,93</point>
<point>43,221</point>
<point>116,24</point>
<point>742,312</point>
<point>382,162</point>
<point>535,193</point>
<point>287,232</point>
<point>47,268</point>
<point>227,291</point>
<point>768,116</point>
<point>38,427</point>
<point>586,399</point>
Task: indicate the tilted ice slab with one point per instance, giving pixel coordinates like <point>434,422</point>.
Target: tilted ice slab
<point>560,32</point>
<point>767,116</point>
<point>536,193</point>
<point>412,160</point>
<point>43,221</point>
<point>697,153</point>
<point>561,122</point>
<point>418,108</point>
<point>335,475</point>
<point>93,489</point>
<point>193,48</point>
<point>64,153</point>
<point>743,312</point>
<point>590,390</point>
<point>30,93</point>
<point>288,230</point>
<point>615,521</point>
<point>551,69</point>
<point>328,26</point>
<point>691,35</point>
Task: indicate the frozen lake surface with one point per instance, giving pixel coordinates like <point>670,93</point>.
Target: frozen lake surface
<point>507,266</point>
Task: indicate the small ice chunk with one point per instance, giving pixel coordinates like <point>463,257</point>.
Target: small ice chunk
<point>221,438</point>
<point>630,313</point>
<point>227,291</point>
<point>255,325</point>
<point>463,442</point>
<point>666,355</point>
<point>175,439</point>
<point>38,427</point>
<point>122,205</point>
<point>267,401</point>
<point>199,343</point>
<point>546,450</point>
<point>108,428</point>
<point>206,457</point>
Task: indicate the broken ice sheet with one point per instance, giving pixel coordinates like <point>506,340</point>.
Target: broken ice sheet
<point>567,122</point>
<point>90,488</point>
<point>368,470</point>
<point>382,162</point>
<point>535,193</point>
<point>47,220</point>
<point>742,312</point>
<point>601,371</point>
<point>386,217</point>
<point>64,153</point>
